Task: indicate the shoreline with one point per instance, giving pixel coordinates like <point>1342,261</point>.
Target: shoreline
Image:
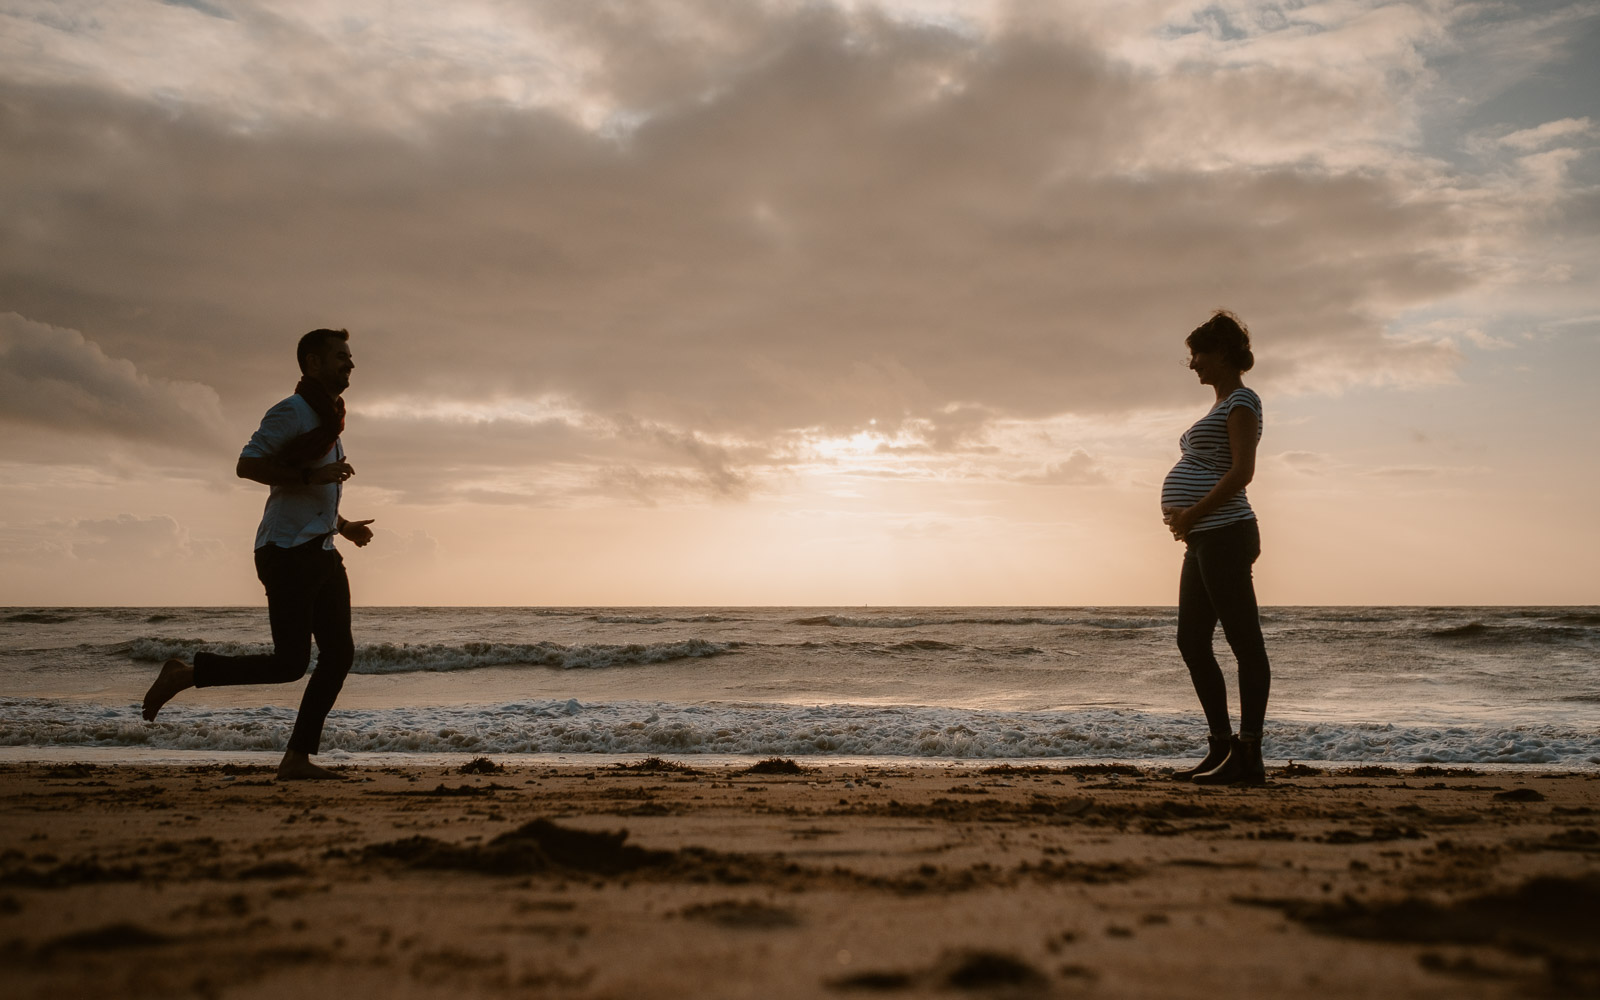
<point>153,756</point>
<point>809,878</point>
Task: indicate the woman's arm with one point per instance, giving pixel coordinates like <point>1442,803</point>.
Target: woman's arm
<point>1242,438</point>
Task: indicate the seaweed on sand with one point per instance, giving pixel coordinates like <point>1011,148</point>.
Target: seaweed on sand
<point>774,765</point>
<point>655,764</point>
<point>533,847</point>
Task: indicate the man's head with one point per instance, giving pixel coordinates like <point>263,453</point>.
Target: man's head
<point>324,357</point>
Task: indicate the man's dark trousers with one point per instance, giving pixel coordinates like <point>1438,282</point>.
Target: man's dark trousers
<point>308,595</point>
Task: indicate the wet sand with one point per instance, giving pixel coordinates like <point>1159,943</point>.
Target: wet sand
<point>837,881</point>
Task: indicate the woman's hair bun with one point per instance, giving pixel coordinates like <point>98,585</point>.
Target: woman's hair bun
<point>1226,334</point>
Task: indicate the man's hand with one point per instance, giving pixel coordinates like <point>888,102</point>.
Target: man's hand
<point>333,472</point>
<point>357,531</point>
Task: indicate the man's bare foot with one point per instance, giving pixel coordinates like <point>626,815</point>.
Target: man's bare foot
<point>298,767</point>
<point>175,676</point>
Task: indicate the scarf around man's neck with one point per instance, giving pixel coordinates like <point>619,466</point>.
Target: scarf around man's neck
<point>312,445</point>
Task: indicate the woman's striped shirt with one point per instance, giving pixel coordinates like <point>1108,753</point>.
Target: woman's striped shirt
<point>1206,458</point>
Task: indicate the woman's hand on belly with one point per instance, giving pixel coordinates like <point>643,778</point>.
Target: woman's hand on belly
<point>1180,520</point>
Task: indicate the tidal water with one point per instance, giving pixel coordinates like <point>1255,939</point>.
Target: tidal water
<point>1376,684</point>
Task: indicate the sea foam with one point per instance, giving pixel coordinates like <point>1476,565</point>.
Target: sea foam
<point>568,726</point>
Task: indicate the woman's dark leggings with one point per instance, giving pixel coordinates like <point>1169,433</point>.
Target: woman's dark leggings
<point>308,595</point>
<point>1216,586</point>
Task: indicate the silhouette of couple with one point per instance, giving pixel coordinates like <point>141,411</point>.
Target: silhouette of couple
<point>297,453</point>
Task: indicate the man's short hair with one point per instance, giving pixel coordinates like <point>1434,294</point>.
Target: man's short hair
<point>316,342</point>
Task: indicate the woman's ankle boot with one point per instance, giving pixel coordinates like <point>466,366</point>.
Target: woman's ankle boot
<point>1218,752</point>
<point>1243,766</point>
<point>1252,769</point>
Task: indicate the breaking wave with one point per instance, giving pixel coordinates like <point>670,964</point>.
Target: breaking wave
<point>400,658</point>
<point>849,621</point>
<point>568,726</point>
<point>661,619</point>
<point>1509,633</point>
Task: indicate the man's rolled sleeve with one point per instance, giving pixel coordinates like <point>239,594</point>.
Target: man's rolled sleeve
<point>282,424</point>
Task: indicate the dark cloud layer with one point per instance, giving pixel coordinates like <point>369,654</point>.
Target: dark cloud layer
<point>54,379</point>
<point>803,220</point>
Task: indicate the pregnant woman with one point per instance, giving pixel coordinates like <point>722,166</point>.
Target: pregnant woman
<point>1203,503</point>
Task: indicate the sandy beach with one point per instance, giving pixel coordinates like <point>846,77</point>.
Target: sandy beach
<point>830,880</point>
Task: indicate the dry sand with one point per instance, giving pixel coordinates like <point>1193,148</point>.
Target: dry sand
<point>840,881</point>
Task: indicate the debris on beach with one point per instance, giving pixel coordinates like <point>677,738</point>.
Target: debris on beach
<point>655,764</point>
<point>972,970</point>
<point>774,765</point>
<point>742,914</point>
<point>533,847</point>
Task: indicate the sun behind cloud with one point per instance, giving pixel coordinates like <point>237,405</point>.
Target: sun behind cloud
<point>635,275</point>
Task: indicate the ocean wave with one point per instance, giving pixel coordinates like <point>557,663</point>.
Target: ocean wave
<point>1127,624</point>
<point>849,621</point>
<point>662,619</point>
<point>923,645</point>
<point>568,726</point>
<point>1511,633</point>
<point>1471,630</point>
<point>868,647</point>
<point>39,618</point>
<point>1295,616</point>
<point>399,658</point>
<point>1585,619</point>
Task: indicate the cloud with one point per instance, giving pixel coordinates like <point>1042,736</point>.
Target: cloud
<point>202,7</point>
<point>141,540</point>
<point>970,247</point>
<point>403,553</point>
<point>1529,139</point>
<point>56,379</point>
<point>1487,341</point>
<point>153,541</point>
<point>717,230</point>
<point>1440,333</point>
<point>1308,463</point>
<point>713,461</point>
<point>547,454</point>
<point>1079,469</point>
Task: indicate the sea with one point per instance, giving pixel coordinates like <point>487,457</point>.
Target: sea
<point>1490,686</point>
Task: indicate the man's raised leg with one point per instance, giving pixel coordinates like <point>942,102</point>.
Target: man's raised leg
<point>175,676</point>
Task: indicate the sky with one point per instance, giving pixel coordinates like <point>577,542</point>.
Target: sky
<point>829,303</point>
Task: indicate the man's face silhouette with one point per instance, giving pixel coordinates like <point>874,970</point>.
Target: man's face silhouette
<point>332,366</point>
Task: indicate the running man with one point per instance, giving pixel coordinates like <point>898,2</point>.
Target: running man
<point>297,453</point>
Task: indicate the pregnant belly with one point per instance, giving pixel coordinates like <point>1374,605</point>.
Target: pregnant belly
<point>1187,484</point>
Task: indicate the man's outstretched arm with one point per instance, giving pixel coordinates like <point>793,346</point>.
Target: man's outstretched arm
<point>271,472</point>
<point>356,531</point>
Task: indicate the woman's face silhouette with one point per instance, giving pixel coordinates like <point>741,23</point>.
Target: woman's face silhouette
<point>1209,366</point>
